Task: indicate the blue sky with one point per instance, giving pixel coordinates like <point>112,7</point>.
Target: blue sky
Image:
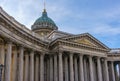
<point>101,18</point>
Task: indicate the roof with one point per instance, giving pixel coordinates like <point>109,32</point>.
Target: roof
<point>44,22</point>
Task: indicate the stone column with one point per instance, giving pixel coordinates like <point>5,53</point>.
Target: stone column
<point>8,61</point>
<point>119,70</point>
<point>94,70</point>
<point>85,71</point>
<point>71,67</point>
<point>37,68</point>
<point>76,69</point>
<point>26,66</point>
<point>2,54</point>
<point>2,58</point>
<point>60,66</point>
<point>55,68</point>
<point>81,71</point>
<point>51,68</point>
<point>116,72</point>
<point>106,70</point>
<point>66,68</point>
<point>91,68</point>
<point>32,66</point>
<point>20,71</point>
<point>99,70</point>
<point>88,70</point>
<point>14,69</point>
<point>42,67</point>
<point>112,71</point>
<point>48,69</point>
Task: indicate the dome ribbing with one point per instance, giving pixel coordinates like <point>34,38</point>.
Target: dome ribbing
<point>44,22</point>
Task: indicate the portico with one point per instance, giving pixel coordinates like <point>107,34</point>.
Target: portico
<point>47,54</point>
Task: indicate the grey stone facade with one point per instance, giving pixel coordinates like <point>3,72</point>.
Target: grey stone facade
<point>46,54</point>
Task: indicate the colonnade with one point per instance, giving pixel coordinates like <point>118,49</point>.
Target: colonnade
<point>19,63</point>
<point>114,70</point>
<point>22,64</point>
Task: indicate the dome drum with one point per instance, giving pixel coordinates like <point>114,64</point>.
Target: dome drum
<point>44,25</point>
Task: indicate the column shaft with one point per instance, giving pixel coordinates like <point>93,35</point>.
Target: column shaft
<point>2,58</point>
<point>91,69</point>
<point>32,66</point>
<point>66,68</point>
<point>119,70</point>
<point>113,72</point>
<point>60,67</point>
<point>41,67</point>
<point>71,67</point>
<point>85,70</point>
<point>20,72</point>
<point>51,68</point>
<point>48,69</point>
<point>2,54</point>
<point>8,62</point>
<point>14,66</point>
<point>81,71</point>
<point>75,69</point>
<point>55,68</point>
<point>106,70</point>
<point>26,67</point>
<point>37,69</point>
<point>99,70</point>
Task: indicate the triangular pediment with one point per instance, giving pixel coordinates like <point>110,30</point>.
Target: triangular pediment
<point>87,40</point>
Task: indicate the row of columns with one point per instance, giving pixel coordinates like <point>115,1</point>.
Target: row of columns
<point>74,69</point>
<point>60,69</point>
<point>19,65</point>
<point>114,70</point>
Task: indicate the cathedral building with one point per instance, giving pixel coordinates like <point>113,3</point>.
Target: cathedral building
<point>46,54</point>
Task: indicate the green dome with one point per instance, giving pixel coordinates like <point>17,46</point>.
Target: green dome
<point>44,22</point>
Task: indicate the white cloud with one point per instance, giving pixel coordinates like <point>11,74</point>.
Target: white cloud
<point>95,22</point>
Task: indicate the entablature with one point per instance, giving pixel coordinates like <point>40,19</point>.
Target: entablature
<point>79,48</point>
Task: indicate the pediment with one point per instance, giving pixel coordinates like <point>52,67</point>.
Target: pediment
<point>87,40</point>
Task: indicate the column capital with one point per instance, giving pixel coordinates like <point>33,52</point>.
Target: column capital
<point>21,47</point>
<point>32,52</point>
<point>105,58</point>
<point>111,61</point>
<point>98,58</point>
<point>90,56</point>
<point>60,51</point>
<point>15,52</point>
<point>9,42</point>
<point>2,44</point>
<point>60,54</point>
<point>81,54</point>
<point>42,53</point>
<point>26,55</point>
<point>71,54</point>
